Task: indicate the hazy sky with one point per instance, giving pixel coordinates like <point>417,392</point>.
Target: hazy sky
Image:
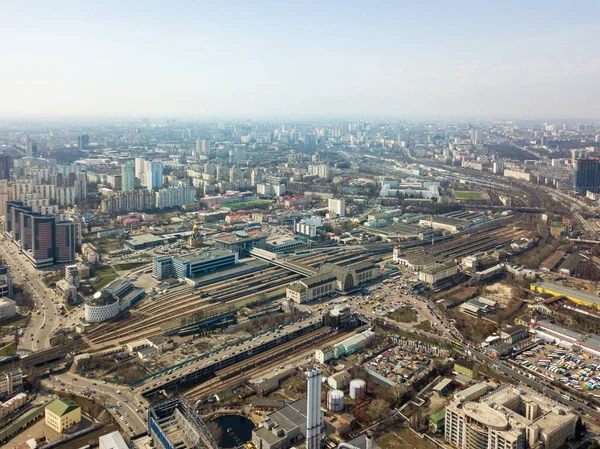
<point>297,58</point>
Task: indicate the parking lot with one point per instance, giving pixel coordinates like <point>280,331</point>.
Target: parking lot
<point>575,370</point>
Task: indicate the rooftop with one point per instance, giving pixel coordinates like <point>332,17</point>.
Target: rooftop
<point>62,406</point>
<point>569,292</point>
<point>113,440</point>
<point>233,238</point>
<point>203,256</point>
<point>486,415</point>
<point>144,239</point>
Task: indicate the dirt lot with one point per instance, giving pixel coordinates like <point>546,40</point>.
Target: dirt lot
<point>188,348</point>
<point>499,292</point>
<point>399,437</point>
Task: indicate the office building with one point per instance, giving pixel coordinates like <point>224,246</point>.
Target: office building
<point>43,239</point>
<point>61,414</point>
<point>83,142</point>
<point>586,175</point>
<point>154,175</point>
<point>127,177</point>
<point>32,149</point>
<point>173,423</point>
<point>5,166</point>
<point>508,418</point>
<point>337,207</point>
<point>193,265</point>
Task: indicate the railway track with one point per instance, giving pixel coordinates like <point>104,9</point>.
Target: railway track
<point>151,316</point>
<point>277,356</point>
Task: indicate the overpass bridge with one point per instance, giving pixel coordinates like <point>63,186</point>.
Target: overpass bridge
<point>295,267</point>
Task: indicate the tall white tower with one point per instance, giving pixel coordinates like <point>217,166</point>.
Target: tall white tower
<point>314,418</point>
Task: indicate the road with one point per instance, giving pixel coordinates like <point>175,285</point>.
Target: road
<point>42,325</point>
<point>108,392</point>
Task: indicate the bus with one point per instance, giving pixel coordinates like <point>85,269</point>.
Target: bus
<point>456,343</point>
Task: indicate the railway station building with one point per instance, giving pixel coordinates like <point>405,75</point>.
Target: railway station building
<point>193,265</point>
<point>331,279</point>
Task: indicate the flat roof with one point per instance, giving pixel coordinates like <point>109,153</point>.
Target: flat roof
<point>144,239</point>
<point>486,415</point>
<point>202,256</point>
<point>569,292</point>
<point>233,238</point>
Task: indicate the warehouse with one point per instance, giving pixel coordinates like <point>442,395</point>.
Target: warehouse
<point>576,296</point>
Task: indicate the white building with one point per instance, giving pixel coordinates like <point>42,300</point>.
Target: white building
<point>320,170</point>
<point>437,272</point>
<point>175,196</point>
<point>337,207</point>
<point>308,226</point>
<point>10,382</point>
<point>113,440</point>
<point>8,308</point>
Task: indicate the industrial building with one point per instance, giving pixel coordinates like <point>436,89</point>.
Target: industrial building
<point>113,440</point>
<point>298,422</point>
<point>348,346</point>
<point>192,265</point>
<point>332,278</point>
<point>555,334</point>
<point>174,423</point>
<point>576,296</point>
<point>508,418</point>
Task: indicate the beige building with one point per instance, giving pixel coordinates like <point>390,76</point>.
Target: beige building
<point>508,418</point>
<point>437,272</point>
<point>10,382</point>
<point>332,278</point>
<point>61,414</point>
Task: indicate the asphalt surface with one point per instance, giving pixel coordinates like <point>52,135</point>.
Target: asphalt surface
<point>42,325</point>
<point>107,392</point>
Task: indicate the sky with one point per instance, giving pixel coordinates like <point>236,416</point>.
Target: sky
<point>300,59</point>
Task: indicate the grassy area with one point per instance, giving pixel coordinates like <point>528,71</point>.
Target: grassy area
<point>8,349</point>
<point>405,315</point>
<point>424,326</point>
<point>255,204</point>
<point>129,266</point>
<point>107,275</point>
<point>467,195</point>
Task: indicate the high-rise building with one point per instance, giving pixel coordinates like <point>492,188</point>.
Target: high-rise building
<point>127,177</point>
<point>154,175</point>
<point>83,142</point>
<point>140,170</point>
<point>320,170</point>
<point>64,242</point>
<point>337,207</point>
<point>43,239</point>
<point>5,165</point>
<point>586,175</point>
<point>32,149</point>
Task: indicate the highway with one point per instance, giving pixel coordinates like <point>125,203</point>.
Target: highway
<point>42,325</point>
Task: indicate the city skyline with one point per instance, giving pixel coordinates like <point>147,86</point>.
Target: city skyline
<point>309,60</point>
